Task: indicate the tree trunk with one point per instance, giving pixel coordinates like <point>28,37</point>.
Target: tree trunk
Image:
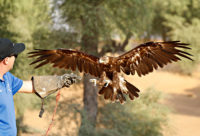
<point>89,115</point>
<point>90,100</point>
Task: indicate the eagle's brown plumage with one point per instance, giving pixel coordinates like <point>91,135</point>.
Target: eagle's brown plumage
<point>141,60</point>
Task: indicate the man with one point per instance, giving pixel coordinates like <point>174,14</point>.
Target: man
<point>9,85</point>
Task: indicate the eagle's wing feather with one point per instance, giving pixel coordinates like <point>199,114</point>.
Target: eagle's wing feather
<point>146,57</point>
<point>68,59</point>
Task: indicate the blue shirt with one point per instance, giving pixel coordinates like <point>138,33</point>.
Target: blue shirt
<point>8,87</point>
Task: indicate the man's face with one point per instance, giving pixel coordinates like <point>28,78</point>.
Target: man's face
<point>11,61</point>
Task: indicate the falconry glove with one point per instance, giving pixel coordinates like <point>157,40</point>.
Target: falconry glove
<point>47,85</point>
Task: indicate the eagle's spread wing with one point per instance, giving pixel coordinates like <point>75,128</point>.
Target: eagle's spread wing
<point>149,56</point>
<point>68,59</point>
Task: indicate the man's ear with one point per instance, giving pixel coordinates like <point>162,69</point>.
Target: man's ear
<point>6,60</point>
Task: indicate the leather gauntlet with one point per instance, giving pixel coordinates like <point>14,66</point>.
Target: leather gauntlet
<point>47,85</point>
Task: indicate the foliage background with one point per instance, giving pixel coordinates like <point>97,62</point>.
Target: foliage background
<point>147,116</point>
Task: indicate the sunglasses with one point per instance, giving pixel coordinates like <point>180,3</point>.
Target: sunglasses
<point>9,56</point>
<point>15,56</point>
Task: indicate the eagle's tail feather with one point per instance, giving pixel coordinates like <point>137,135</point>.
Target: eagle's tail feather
<point>132,90</point>
<point>120,96</point>
<point>109,93</point>
<point>106,91</point>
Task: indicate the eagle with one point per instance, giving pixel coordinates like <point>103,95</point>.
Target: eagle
<point>142,60</point>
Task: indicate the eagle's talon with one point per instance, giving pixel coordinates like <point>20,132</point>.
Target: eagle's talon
<point>107,82</point>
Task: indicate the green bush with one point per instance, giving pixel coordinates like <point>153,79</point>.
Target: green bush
<point>145,116</point>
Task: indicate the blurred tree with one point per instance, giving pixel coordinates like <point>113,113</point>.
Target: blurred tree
<point>178,20</point>
<point>100,20</point>
<point>24,19</point>
<point>183,21</point>
<point>6,8</point>
<point>29,17</point>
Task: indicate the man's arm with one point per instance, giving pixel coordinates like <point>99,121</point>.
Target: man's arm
<point>45,85</point>
<point>27,87</point>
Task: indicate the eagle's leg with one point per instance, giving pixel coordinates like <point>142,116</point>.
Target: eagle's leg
<point>116,81</point>
<point>103,81</point>
<point>116,86</point>
<point>119,87</point>
<point>122,84</point>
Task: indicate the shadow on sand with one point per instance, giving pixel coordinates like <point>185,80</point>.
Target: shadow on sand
<point>188,103</point>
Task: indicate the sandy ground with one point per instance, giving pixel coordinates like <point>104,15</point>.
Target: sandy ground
<point>183,98</point>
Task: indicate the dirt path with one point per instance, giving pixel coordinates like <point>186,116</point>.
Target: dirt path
<point>183,98</point>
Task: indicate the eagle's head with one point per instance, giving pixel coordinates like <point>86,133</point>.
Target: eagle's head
<point>104,60</point>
